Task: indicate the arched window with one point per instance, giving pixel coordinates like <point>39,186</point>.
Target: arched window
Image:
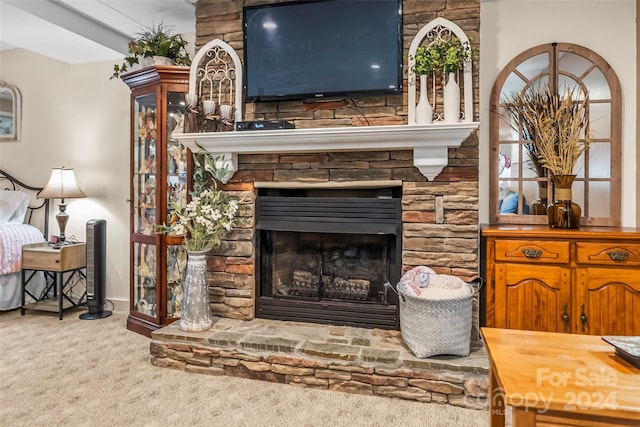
<point>518,187</point>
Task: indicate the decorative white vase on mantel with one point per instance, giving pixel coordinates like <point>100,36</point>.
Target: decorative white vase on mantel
<point>452,100</point>
<point>424,112</point>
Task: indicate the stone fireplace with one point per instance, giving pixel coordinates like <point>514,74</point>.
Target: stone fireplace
<point>438,220</point>
<point>432,171</point>
<point>341,143</point>
<point>435,221</point>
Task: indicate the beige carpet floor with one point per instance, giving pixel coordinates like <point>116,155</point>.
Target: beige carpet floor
<point>97,373</point>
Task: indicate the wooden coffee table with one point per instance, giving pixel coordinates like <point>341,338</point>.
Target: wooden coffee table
<point>559,379</point>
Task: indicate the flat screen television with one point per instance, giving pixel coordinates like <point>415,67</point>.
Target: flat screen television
<point>322,49</point>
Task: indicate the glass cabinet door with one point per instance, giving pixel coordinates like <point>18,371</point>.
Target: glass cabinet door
<point>144,203</point>
<point>176,195</point>
<point>176,156</point>
<point>176,269</point>
<point>145,280</point>
<point>144,166</point>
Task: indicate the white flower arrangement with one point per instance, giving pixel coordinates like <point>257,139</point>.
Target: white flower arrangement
<point>211,212</point>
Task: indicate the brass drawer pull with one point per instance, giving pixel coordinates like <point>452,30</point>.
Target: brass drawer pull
<point>532,253</point>
<point>583,318</point>
<point>618,255</point>
<point>565,318</point>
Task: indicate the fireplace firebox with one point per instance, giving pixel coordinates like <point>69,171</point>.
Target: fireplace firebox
<point>324,255</point>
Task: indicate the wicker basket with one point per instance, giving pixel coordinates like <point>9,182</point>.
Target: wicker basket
<point>433,327</point>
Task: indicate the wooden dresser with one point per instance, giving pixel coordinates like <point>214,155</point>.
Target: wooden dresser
<point>584,281</point>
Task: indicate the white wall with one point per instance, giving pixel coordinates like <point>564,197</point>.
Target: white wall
<point>74,116</point>
<point>508,27</point>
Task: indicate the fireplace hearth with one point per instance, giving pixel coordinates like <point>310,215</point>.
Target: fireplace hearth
<point>325,254</point>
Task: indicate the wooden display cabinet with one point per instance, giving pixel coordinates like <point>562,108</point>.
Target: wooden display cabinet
<point>160,175</point>
<point>576,281</point>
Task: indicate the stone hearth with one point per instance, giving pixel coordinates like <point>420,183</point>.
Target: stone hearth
<point>339,358</point>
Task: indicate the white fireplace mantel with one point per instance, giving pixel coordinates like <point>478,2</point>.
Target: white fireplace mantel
<point>428,142</point>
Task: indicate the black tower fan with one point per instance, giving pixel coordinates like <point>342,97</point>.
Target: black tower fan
<point>96,269</point>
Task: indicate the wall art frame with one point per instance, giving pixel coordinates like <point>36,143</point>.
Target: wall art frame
<point>10,112</point>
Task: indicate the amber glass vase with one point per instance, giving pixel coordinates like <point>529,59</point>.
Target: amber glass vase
<point>539,205</point>
<point>563,213</point>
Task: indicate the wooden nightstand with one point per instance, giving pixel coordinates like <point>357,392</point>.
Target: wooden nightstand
<point>55,263</point>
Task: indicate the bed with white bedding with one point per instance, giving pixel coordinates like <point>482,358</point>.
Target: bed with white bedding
<point>20,212</point>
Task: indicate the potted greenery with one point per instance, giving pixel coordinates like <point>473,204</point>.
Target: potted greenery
<point>155,41</point>
<point>446,56</point>
<point>426,61</point>
<point>454,54</point>
<point>442,57</point>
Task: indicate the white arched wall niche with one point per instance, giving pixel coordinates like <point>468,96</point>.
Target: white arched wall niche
<point>427,33</point>
<point>211,52</point>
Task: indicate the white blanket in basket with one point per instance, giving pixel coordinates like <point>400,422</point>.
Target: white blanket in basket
<point>423,282</point>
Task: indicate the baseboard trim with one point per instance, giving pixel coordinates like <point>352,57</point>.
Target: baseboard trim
<point>119,305</point>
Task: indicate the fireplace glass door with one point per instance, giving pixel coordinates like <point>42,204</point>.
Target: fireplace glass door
<point>327,266</point>
<point>324,256</point>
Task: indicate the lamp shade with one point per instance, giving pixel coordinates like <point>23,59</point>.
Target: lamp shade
<point>62,185</point>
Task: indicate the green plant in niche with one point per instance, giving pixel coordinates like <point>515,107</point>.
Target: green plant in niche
<point>427,59</point>
<point>154,40</point>
<point>455,53</point>
<point>445,56</point>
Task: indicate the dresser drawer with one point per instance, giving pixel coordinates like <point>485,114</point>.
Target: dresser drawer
<point>555,252</point>
<point>41,260</point>
<point>614,253</point>
<point>44,257</point>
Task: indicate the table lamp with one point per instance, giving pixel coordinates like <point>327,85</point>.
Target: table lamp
<point>62,185</point>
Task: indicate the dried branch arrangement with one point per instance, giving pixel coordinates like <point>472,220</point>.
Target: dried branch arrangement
<point>515,105</point>
<point>556,125</point>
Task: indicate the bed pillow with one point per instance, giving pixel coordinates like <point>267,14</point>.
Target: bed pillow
<point>13,206</point>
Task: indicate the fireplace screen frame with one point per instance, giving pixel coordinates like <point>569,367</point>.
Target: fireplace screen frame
<point>380,214</point>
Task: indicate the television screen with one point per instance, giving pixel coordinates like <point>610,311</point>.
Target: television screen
<point>322,49</point>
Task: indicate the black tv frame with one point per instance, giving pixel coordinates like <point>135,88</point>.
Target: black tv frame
<point>321,95</point>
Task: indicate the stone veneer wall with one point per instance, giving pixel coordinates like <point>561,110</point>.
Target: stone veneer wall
<point>440,218</point>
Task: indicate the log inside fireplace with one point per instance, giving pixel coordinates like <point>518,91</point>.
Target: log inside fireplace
<point>324,256</point>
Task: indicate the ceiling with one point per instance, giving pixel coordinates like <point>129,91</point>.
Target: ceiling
<point>79,31</point>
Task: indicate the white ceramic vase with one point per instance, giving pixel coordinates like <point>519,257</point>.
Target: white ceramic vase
<point>452,100</point>
<point>424,112</point>
<point>196,313</point>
